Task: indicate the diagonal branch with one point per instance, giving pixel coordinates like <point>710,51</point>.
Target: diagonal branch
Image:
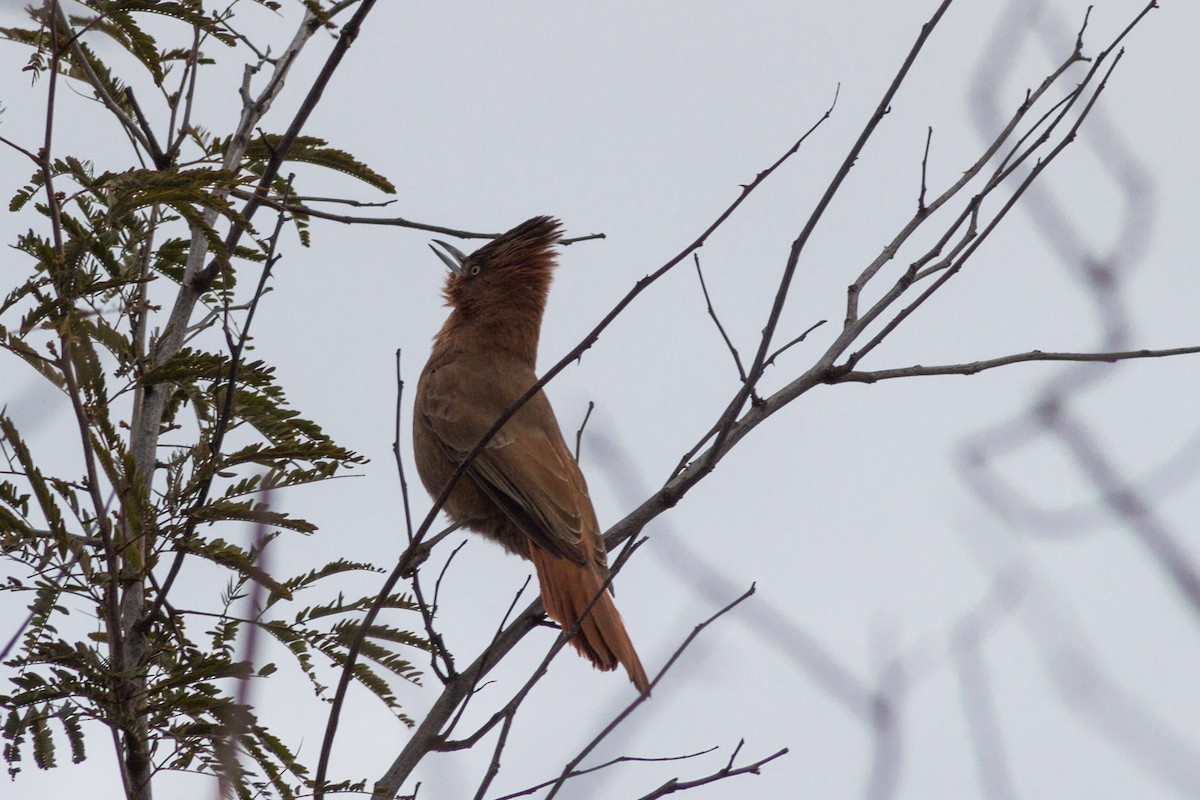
<point>351,219</point>
<point>975,367</point>
<point>728,771</point>
<point>737,359</point>
<point>972,241</point>
<point>606,765</point>
<point>785,282</point>
<point>574,763</point>
<point>79,57</point>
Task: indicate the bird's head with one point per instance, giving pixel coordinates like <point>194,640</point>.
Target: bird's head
<point>511,271</point>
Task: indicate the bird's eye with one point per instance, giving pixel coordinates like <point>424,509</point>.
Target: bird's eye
<point>475,269</point>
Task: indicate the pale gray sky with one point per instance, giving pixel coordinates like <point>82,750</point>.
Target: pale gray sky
<point>851,509</point>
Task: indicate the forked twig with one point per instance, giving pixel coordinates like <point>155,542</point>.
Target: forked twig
<point>573,764</point>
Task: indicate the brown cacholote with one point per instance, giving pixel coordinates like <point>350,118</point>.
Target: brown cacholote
<point>524,489</point>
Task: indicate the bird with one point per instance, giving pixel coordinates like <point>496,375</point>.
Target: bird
<point>524,490</point>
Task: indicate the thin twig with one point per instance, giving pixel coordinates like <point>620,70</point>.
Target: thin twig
<point>345,201</point>
<point>437,586</point>
<point>437,644</point>
<point>924,165</point>
<point>442,742</point>
<point>978,239</point>
<point>79,58</point>
<point>729,417</point>
<point>577,239</point>
<point>494,766</point>
<point>975,367</point>
<point>737,360</point>
<point>606,765</point>
<point>302,210</point>
<point>32,157</point>
<point>610,727</point>
<point>793,342</point>
<point>191,69</point>
<point>396,449</point>
<point>156,153</point>
<point>676,785</point>
<point>509,710</point>
<point>579,433</point>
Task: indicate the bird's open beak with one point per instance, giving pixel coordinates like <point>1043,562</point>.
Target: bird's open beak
<point>452,258</point>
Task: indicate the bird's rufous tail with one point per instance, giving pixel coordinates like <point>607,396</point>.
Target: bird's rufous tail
<point>567,588</point>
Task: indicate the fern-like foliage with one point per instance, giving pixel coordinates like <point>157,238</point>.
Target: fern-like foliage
<point>100,645</point>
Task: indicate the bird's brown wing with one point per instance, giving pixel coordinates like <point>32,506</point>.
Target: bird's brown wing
<point>525,469</point>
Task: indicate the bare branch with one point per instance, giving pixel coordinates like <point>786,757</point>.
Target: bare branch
<point>301,209</point>
<point>796,341</point>
<point>510,708</point>
<point>577,239</point>
<point>921,210</point>
<point>716,320</point>
<point>345,201</point>
<point>79,57</point>
<point>494,766</point>
<point>573,764</point>
<point>976,240</point>
<point>729,771</point>
<point>396,449</point>
<point>582,425</point>
<point>32,157</point>
<point>437,644</point>
<point>759,364</point>
<point>350,219</point>
<point>156,153</point>
<point>606,765</point>
<point>890,250</point>
<point>975,367</point>
<point>188,97</point>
